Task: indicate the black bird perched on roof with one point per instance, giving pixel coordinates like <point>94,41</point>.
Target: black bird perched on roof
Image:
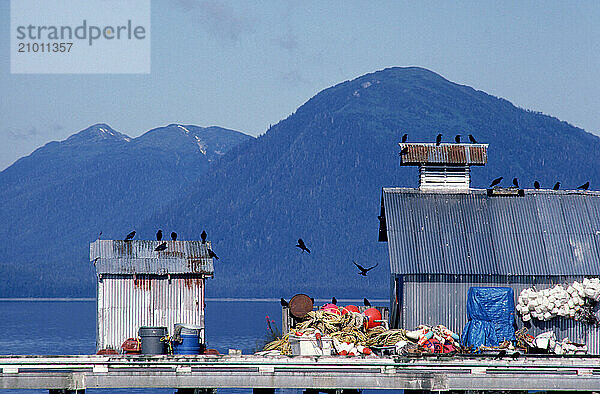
<point>334,301</point>
<point>404,137</point>
<point>515,355</point>
<point>302,246</point>
<point>212,254</point>
<point>363,270</point>
<point>174,236</point>
<point>203,236</point>
<point>404,151</point>
<point>161,247</point>
<point>556,186</point>
<point>516,182</point>
<point>472,139</point>
<point>496,181</point>
<point>159,235</point>
<point>130,236</point>
<point>284,302</point>
<point>438,140</point>
<point>584,186</point>
<point>457,139</point>
<point>536,184</point>
<point>366,302</point>
<point>99,235</point>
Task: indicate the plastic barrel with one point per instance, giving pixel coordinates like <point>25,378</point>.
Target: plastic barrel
<point>187,339</point>
<point>151,343</point>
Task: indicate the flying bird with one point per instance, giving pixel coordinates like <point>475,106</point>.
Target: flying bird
<point>161,247</point>
<point>334,301</point>
<point>472,139</point>
<point>457,139</point>
<point>404,151</point>
<point>496,181</point>
<point>366,302</point>
<point>159,235</point>
<point>363,270</point>
<point>174,236</point>
<point>536,184</point>
<point>130,236</point>
<point>584,186</point>
<point>438,140</point>
<point>556,186</point>
<point>404,137</point>
<point>212,254</point>
<point>516,182</point>
<point>284,302</point>
<point>203,236</point>
<point>302,246</point>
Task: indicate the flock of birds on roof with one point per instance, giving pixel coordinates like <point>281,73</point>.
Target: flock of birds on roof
<point>495,182</point>
<point>438,141</point>
<point>164,245</point>
<point>536,184</point>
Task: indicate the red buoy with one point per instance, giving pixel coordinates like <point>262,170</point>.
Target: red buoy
<point>350,308</point>
<point>372,315</point>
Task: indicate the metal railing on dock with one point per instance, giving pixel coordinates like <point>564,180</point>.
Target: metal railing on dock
<point>435,373</point>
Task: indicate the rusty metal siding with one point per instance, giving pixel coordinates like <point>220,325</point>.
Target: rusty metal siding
<point>442,299</point>
<point>125,303</point>
<point>420,153</point>
<point>139,257</point>
<point>541,233</point>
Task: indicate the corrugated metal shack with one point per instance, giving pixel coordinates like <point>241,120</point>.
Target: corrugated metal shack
<point>444,238</point>
<point>138,286</point>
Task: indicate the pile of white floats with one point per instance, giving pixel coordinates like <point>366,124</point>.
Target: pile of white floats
<point>564,301</point>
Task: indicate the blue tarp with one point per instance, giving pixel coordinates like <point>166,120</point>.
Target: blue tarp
<point>491,314</point>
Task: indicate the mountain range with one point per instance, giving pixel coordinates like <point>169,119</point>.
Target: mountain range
<point>315,175</point>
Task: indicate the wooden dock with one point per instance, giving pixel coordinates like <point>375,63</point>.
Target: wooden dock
<point>74,373</point>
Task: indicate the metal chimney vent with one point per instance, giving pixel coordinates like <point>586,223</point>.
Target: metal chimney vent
<point>444,166</point>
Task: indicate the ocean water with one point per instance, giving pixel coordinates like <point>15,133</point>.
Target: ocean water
<point>68,327</point>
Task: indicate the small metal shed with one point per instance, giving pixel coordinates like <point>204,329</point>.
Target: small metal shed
<point>138,286</point>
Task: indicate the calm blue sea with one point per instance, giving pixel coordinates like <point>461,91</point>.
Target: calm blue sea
<point>68,327</point>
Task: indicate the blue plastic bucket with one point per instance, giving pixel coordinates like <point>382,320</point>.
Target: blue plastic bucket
<point>187,339</point>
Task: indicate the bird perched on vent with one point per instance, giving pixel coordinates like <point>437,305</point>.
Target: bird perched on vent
<point>584,186</point>
<point>284,302</point>
<point>161,247</point>
<point>516,182</point>
<point>496,181</point>
<point>472,139</point>
<point>203,236</point>
<point>159,235</point>
<point>556,186</point>
<point>302,246</point>
<point>212,254</point>
<point>404,137</point>
<point>174,236</point>
<point>404,151</point>
<point>366,302</point>
<point>536,184</point>
<point>334,301</point>
<point>130,236</point>
<point>363,270</point>
<point>438,140</point>
<point>457,139</point>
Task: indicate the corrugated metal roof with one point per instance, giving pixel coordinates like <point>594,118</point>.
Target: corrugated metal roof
<point>545,232</point>
<point>421,153</point>
<point>139,257</point>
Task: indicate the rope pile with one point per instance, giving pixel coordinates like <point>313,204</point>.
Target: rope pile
<point>349,327</point>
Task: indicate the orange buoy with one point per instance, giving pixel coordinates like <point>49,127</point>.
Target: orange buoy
<point>331,308</point>
<point>350,308</point>
<point>372,315</point>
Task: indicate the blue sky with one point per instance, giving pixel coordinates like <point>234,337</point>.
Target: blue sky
<point>245,65</point>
